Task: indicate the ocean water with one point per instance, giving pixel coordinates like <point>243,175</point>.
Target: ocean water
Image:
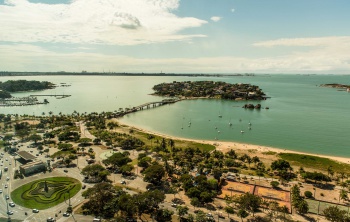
<point>302,115</point>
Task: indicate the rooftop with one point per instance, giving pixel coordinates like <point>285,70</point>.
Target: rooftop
<point>25,155</point>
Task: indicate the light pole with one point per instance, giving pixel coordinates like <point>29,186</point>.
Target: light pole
<point>8,215</point>
<point>69,209</point>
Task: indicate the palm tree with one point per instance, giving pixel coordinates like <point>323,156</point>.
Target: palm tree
<point>343,195</point>
<point>83,149</point>
<point>342,176</point>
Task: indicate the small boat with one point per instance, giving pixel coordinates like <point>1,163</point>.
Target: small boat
<point>215,127</point>
<point>249,123</point>
<point>220,116</point>
<point>249,128</point>
<point>242,131</point>
<point>240,120</point>
<point>218,131</point>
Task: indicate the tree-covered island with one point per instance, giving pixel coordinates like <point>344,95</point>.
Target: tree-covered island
<point>210,89</point>
<point>336,85</point>
<point>22,85</point>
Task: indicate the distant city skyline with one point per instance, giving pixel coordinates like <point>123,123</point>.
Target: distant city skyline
<point>173,36</point>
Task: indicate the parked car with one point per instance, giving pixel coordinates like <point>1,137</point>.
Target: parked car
<point>66,171</point>
<point>83,187</point>
<point>10,212</point>
<point>66,214</point>
<point>12,204</point>
<point>7,197</point>
<point>35,211</point>
<point>0,190</point>
<point>50,219</point>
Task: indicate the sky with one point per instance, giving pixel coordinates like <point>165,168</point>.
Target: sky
<point>176,36</point>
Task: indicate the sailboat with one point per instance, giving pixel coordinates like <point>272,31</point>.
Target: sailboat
<point>220,116</point>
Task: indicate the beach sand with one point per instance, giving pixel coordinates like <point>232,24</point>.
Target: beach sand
<point>225,146</point>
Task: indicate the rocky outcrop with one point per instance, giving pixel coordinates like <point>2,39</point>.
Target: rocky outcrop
<point>252,106</point>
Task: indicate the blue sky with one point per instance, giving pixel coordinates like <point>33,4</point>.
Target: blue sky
<point>181,36</point>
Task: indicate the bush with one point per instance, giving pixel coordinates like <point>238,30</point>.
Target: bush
<point>274,184</point>
<point>308,194</point>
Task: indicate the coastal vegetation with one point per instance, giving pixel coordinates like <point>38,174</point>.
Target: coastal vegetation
<point>199,172</point>
<point>210,89</point>
<point>314,162</point>
<point>22,85</point>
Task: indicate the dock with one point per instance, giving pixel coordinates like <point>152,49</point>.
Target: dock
<point>146,106</point>
<point>54,95</point>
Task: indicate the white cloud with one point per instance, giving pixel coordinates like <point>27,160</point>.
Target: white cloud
<point>118,22</point>
<point>232,10</point>
<point>24,57</point>
<point>320,41</point>
<point>215,18</point>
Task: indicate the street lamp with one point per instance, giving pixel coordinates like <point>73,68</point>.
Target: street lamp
<point>8,215</point>
<point>69,209</point>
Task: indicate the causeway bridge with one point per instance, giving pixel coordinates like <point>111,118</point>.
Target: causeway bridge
<point>154,104</point>
<point>148,106</point>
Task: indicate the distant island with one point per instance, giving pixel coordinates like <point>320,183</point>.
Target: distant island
<point>210,89</point>
<point>22,86</point>
<point>337,85</point>
<point>6,88</point>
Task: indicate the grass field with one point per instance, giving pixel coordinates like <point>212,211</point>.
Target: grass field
<point>33,194</point>
<point>314,162</point>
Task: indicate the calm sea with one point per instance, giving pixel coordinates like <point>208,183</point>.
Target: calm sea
<point>302,116</point>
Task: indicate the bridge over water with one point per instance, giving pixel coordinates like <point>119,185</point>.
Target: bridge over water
<point>149,105</point>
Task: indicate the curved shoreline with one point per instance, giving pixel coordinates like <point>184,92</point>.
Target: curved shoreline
<point>227,145</point>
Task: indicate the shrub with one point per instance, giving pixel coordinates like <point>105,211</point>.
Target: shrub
<point>308,194</point>
<point>274,184</point>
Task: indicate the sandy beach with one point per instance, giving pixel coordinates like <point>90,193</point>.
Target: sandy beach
<point>225,146</point>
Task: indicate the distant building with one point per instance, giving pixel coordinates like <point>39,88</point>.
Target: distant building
<point>33,167</point>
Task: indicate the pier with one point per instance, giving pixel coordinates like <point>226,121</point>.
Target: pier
<point>58,96</point>
<point>146,106</point>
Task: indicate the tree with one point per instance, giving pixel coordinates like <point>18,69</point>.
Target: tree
<point>308,194</point>
<point>154,174</point>
<point>249,202</point>
<point>283,167</point>
<point>102,198</point>
<point>64,146</point>
<point>343,195</point>
<point>182,211</point>
<point>84,141</point>
<point>333,213</point>
<point>164,215</point>
<point>148,202</point>
<point>242,214</point>
<point>274,184</point>
<point>96,171</point>
<point>35,138</point>
<point>126,169</point>
<point>300,205</point>
<point>200,216</point>
<point>117,160</point>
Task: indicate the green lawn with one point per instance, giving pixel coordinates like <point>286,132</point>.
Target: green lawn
<point>178,143</point>
<point>314,162</point>
<point>33,194</point>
